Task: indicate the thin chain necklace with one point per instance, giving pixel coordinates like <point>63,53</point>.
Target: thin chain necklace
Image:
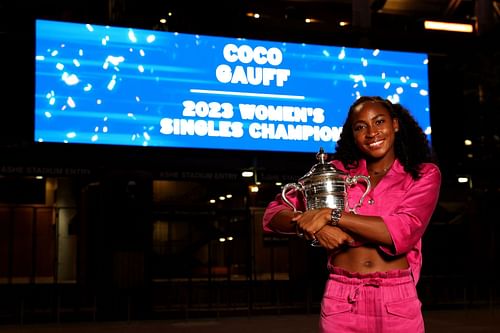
<point>380,172</point>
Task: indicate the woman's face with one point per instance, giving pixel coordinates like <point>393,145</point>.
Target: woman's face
<point>374,130</point>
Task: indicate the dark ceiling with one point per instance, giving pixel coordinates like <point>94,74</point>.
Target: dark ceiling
<point>230,16</point>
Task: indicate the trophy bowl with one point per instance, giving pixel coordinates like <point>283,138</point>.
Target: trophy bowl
<point>324,186</point>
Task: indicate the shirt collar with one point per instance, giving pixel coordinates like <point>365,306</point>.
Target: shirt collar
<point>361,169</point>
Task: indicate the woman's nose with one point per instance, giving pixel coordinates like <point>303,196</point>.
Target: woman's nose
<point>371,131</point>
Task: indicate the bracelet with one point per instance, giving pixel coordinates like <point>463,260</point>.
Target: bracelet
<point>335,216</point>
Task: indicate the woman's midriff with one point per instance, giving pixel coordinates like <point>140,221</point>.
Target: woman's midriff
<point>367,259</point>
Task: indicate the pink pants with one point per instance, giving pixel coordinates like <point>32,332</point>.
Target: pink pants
<point>372,303</point>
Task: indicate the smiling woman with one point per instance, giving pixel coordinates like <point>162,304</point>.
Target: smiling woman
<point>374,254</point>
<point>374,130</point>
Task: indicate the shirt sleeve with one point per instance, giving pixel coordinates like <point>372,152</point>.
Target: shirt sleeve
<point>277,205</point>
<point>407,223</point>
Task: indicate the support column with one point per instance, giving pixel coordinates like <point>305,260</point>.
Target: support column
<point>484,16</point>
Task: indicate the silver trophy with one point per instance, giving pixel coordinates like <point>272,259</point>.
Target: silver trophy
<point>325,187</point>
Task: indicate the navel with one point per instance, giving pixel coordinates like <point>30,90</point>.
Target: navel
<point>368,263</point>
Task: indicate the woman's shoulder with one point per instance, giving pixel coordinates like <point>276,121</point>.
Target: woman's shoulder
<point>339,165</point>
<point>429,167</point>
<point>424,168</point>
<point>430,174</point>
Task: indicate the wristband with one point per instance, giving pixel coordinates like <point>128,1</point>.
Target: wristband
<point>335,216</point>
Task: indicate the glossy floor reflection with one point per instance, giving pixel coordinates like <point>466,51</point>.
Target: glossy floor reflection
<point>437,321</point>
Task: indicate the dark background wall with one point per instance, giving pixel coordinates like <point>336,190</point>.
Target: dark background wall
<point>464,73</point>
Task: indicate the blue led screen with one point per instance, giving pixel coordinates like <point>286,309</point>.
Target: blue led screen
<point>123,86</point>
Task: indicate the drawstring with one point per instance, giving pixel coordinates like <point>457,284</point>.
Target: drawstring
<point>353,295</point>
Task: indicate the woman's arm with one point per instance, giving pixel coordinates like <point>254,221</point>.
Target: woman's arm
<point>280,218</point>
<point>278,215</point>
<point>282,222</point>
<point>396,232</point>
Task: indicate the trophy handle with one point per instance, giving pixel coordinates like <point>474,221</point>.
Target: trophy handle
<point>286,188</point>
<point>353,180</point>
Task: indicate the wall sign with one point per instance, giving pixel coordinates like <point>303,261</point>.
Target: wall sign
<point>122,86</point>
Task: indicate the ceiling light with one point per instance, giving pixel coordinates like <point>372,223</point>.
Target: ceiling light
<point>311,20</point>
<point>247,174</point>
<point>448,26</point>
<point>254,15</point>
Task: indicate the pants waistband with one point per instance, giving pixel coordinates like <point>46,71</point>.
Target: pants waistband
<point>391,277</point>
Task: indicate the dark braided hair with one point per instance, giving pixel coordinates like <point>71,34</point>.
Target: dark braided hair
<point>411,145</point>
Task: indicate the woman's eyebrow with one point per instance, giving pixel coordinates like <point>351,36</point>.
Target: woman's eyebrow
<point>378,115</point>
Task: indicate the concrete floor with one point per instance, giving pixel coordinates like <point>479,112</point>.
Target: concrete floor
<point>437,321</point>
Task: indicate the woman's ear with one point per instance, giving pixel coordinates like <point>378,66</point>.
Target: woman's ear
<point>395,124</point>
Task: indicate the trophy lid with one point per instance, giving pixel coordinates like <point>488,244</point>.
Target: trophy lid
<point>322,168</point>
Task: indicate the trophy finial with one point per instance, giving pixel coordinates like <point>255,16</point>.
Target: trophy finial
<point>321,156</point>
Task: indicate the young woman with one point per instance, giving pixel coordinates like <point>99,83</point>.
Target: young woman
<point>374,254</point>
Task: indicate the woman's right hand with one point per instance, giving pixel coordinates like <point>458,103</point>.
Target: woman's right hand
<point>311,221</point>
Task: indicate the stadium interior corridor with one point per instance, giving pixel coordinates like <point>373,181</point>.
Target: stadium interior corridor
<point>484,320</point>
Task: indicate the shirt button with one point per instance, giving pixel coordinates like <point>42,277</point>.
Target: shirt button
<point>371,201</point>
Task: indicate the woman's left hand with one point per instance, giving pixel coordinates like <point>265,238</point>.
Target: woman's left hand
<point>312,221</point>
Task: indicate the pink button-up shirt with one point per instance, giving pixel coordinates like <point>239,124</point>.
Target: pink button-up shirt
<point>405,205</point>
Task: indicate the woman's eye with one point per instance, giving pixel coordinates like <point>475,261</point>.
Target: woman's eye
<point>380,121</point>
<point>357,128</point>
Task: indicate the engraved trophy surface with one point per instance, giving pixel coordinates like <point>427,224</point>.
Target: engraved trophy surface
<point>325,187</point>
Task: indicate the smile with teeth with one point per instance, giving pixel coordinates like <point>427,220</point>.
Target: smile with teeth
<point>376,144</point>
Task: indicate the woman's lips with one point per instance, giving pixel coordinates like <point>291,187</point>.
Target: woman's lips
<point>376,144</point>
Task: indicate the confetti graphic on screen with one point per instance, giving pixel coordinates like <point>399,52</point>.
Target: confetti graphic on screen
<point>122,86</point>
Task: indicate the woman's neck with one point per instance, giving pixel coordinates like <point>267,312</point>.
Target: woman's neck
<point>379,168</point>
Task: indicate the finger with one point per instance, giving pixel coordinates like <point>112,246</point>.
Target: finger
<point>309,236</point>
